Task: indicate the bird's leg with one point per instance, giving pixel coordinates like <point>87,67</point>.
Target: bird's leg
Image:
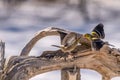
<point>70,56</point>
<point>92,46</point>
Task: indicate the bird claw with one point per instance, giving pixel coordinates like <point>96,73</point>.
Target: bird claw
<point>69,57</point>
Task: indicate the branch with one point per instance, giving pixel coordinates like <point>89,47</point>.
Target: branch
<point>2,54</point>
<point>104,61</point>
<point>23,67</point>
<point>51,31</point>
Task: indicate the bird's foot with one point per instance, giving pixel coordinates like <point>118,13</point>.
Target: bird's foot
<point>69,58</point>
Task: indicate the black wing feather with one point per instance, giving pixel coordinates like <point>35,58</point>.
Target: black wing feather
<point>62,35</point>
<point>99,30</point>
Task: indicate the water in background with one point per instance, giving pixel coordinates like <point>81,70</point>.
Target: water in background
<point>21,19</point>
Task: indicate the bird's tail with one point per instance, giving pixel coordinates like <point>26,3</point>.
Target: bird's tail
<point>109,44</point>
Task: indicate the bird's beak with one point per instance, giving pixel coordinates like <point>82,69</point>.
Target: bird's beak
<point>62,46</point>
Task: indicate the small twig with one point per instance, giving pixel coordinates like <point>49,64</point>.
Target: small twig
<point>2,55</point>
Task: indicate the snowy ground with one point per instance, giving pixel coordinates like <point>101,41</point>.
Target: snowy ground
<point>19,24</point>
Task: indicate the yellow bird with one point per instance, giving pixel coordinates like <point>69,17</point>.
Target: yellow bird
<point>95,37</point>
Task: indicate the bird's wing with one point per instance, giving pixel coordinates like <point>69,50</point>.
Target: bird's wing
<point>69,39</point>
<point>99,30</point>
<point>62,35</point>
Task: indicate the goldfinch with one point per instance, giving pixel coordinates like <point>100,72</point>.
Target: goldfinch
<point>69,42</point>
<point>98,32</point>
<point>95,37</point>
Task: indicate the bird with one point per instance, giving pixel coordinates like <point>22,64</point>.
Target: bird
<point>96,37</point>
<point>69,42</point>
<point>98,31</point>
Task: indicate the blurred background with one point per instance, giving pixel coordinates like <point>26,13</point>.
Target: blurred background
<point>21,19</point>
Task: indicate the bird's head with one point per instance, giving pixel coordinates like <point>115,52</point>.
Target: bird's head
<point>88,36</point>
<point>94,34</point>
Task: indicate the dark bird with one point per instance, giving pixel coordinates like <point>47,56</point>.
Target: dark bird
<point>95,37</point>
<point>98,31</point>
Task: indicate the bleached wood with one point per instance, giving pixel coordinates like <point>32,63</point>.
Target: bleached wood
<point>2,55</point>
<point>23,67</point>
<point>50,31</point>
